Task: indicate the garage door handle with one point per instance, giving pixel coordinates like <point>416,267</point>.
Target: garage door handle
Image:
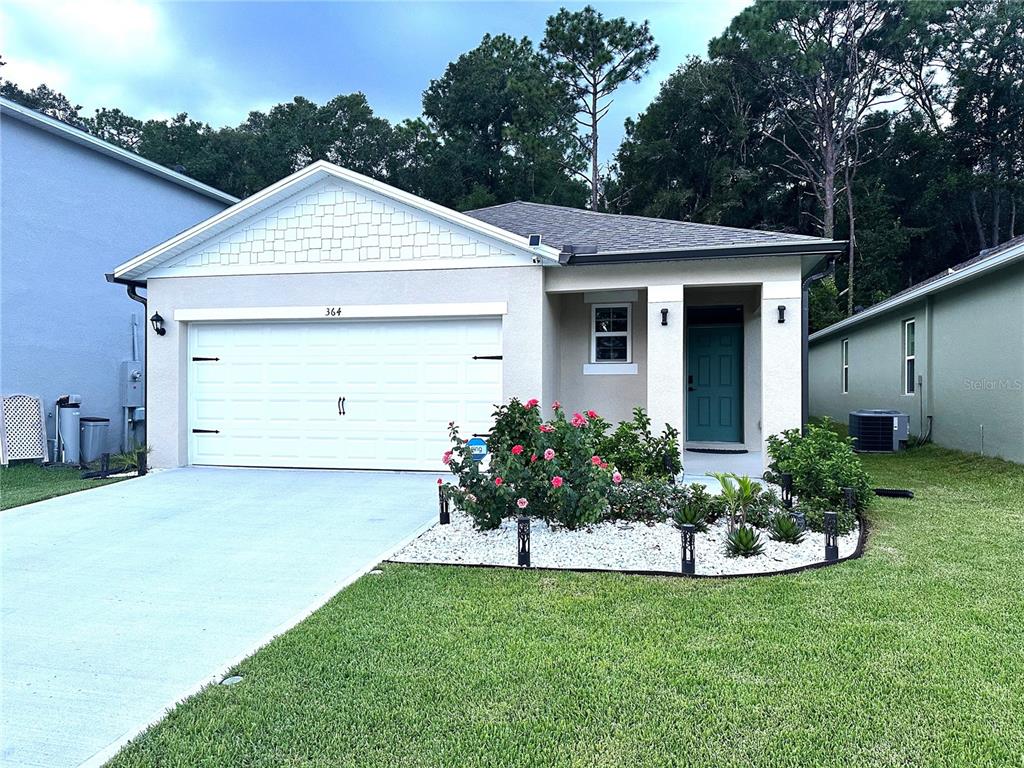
<point>205,431</point>
<point>487,357</point>
<point>341,406</point>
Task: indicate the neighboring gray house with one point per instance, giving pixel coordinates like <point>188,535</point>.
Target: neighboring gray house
<point>71,206</point>
<point>334,321</point>
<point>949,352</point>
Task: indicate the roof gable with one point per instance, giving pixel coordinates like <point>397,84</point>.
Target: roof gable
<point>326,218</point>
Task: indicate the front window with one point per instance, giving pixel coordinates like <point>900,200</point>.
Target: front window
<point>846,366</point>
<point>909,357</point>
<point>610,333</point>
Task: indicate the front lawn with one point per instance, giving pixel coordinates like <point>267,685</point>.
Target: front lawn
<point>25,482</point>
<point>910,656</point>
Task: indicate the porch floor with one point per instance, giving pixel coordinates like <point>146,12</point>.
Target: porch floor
<point>698,465</point>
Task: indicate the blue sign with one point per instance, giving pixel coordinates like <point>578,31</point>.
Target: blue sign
<point>477,448</point>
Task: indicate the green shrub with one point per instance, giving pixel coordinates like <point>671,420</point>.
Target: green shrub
<point>814,512</point>
<point>764,507</point>
<point>783,528</point>
<point>638,454</point>
<point>822,464</point>
<point>644,501</point>
<point>744,542</point>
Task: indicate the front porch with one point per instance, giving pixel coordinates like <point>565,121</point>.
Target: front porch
<point>718,359</point>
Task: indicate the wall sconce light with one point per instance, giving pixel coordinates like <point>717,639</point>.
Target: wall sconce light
<point>158,324</point>
<point>782,313</point>
<point>664,315</point>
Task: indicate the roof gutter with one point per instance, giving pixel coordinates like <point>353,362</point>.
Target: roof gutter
<point>580,257</point>
<point>132,285</point>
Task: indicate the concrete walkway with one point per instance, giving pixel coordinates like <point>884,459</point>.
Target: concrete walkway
<point>119,600</point>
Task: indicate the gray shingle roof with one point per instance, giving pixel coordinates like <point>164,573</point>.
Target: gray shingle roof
<point>617,233</point>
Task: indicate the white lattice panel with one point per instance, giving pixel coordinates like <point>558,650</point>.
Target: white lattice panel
<point>24,428</point>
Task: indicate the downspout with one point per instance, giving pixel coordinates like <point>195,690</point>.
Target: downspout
<point>805,325</point>
<point>132,287</point>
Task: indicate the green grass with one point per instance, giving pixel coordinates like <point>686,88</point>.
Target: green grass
<point>25,482</point>
<point>910,656</point>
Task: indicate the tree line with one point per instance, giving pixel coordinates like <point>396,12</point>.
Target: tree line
<point>898,127</point>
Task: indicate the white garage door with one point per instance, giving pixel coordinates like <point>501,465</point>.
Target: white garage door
<point>356,394</point>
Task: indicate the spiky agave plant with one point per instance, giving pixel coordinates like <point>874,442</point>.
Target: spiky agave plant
<point>785,529</point>
<point>744,542</point>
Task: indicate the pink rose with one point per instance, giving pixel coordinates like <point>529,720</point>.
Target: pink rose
<point>549,454</point>
<point>522,503</point>
<point>533,457</point>
<point>546,428</point>
<point>498,481</point>
<point>604,465</point>
<point>578,420</point>
<point>532,403</point>
<point>592,414</point>
<point>447,457</point>
<point>439,481</point>
<point>556,481</point>
<point>555,405</point>
<point>616,477</point>
<point>517,449</point>
<point>595,460</point>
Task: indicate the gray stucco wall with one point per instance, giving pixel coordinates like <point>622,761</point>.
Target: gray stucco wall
<point>970,354</point>
<point>69,214</point>
<point>613,396</point>
<point>523,327</point>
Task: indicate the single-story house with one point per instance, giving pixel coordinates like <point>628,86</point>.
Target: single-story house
<point>948,351</point>
<point>334,321</point>
<point>72,205</point>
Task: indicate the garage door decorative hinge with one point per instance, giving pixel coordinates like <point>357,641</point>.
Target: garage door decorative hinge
<point>205,359</point>
<point>205,431</point>
<point>487,357</point>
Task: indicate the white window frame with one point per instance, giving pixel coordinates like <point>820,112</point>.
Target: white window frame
<point>909,382</point>
<point>594,333</point>
<point>844,373</point>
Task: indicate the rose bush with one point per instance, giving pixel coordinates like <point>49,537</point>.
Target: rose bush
<point>555,466</point>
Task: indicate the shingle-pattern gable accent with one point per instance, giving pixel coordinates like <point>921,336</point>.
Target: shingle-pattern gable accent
<point>334,223</point>
<point>614,233</point>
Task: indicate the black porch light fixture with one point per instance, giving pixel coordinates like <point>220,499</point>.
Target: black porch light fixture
<point>523,540</point>
<point>664,315</point>
<point>687,531</point>
<point>158,324</point>
<point>831,537</point>
<point>782,313</point>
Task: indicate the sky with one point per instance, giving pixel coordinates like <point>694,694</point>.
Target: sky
<point>219,60</point>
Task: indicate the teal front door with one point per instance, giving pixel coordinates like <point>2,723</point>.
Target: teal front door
<point>714,384</point>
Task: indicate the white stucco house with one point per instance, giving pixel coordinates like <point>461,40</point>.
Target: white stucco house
<point>333,321</point>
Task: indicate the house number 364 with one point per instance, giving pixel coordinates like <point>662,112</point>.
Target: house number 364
<point>332,311</point>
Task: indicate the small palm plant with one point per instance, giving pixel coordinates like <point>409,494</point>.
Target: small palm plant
<point>785,529</point>
<point>740,494</point>
<point>744,542</point>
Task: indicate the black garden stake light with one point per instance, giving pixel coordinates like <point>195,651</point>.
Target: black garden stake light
<point>687,531</point>
<point>523,539</point>
<point>831,536</point>
<point>786,478</point>
<point>442,504</point>
<point>849,498</point>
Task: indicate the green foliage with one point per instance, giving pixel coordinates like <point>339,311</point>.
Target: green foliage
<point>638,454</point>
<point>744,542</point>
<point>739,493</point>
<point>692,505</point>
<point>644,501</point>
<point>822,463</point>
<point>783,528</point>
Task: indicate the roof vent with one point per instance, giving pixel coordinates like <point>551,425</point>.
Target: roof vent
<point>535,240</point>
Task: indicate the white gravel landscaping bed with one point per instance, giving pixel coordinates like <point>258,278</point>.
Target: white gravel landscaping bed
<point>610,546</point>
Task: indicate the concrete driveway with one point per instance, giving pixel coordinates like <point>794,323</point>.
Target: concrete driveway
<point>120,600</point>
